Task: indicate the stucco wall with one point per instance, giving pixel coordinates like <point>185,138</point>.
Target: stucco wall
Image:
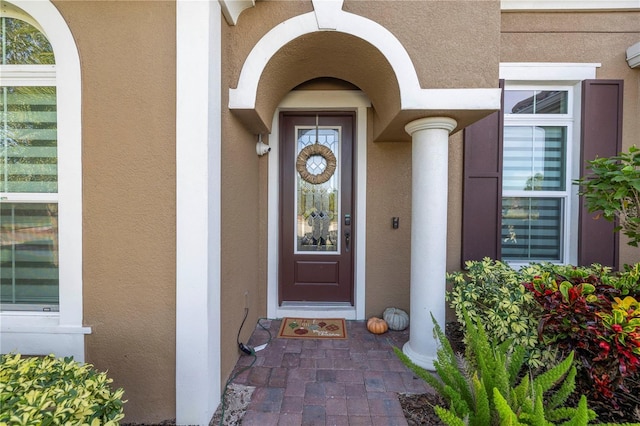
<point>437,36</point>
<point>544,37</point>
<point>127,54</point>
<point>243,201</point>
<point>388,249</point>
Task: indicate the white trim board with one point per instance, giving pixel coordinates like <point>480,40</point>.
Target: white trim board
<point>548,71</point>
<point>198,170</point>
<point>567,5</point>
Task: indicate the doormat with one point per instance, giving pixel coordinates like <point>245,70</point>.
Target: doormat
<point>313,328</point>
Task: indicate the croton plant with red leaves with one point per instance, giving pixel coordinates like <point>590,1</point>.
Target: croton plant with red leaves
<point>587,316</point>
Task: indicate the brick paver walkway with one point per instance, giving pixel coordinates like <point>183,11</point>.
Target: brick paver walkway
<point>327,382</point>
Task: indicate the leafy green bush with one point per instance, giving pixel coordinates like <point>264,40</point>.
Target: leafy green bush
<point>482,390</point>
<point>490,291</point>
<point>627,281</point>
<point>613,187</point>
<point>49,390</point>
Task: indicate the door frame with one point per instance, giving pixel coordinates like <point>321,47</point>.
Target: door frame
<point>320,100</point>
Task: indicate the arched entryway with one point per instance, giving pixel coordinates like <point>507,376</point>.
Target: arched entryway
<point>330,42</point>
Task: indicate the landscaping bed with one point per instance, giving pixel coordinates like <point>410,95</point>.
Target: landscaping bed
<point>418,408</point>
<point>565,339</point>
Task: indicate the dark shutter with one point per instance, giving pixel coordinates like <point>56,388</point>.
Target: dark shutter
<point>601,137</point>
<point>482,188</point>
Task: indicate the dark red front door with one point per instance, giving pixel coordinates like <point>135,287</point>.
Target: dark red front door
<point>316,206</point>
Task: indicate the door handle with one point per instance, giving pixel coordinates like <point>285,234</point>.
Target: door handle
<point>347,239</point>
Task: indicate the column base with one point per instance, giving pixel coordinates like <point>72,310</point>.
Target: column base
<point>419,359</point>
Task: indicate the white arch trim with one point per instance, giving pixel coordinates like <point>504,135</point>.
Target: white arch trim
<point>327,16</point>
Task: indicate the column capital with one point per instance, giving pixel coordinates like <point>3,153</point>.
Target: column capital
<point>445,123</point>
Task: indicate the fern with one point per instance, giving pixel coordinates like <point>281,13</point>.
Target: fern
<point>442,386</point>
<point>482,415</point>
<point>521,392</point>
<point>423,374</point>
<point>448,417</point>
<point>552,377</point>
<point>515,364</point>
<point>506,414</point>
<point>581,416</point>
<point>446,365</point>
<point>457,404</point>
<point>537,418</point>
<point>564,413</point>
<point>489,361</point>
<point>481,392</point>
<point>567,388</point>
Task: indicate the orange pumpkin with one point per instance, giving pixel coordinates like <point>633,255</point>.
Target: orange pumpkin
<point>377,325</point>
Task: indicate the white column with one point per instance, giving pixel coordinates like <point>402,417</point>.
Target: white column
<point>430,138</point>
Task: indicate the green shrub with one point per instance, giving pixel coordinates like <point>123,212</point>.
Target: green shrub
<point>613,188</point>
<point>49,390</point>
<point>482,390</point>
<point>490,291</point>
<point>627,281</point>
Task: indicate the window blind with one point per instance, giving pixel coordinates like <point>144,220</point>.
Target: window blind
<point>532,228</point>
<point>534,158</point>
<point>29,253</point>
<point>29,274</point>
<point>29,140</point>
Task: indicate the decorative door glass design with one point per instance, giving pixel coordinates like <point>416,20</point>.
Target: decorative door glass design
<point>317,200</point>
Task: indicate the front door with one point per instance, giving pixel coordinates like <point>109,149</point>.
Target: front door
<point>317,220</point>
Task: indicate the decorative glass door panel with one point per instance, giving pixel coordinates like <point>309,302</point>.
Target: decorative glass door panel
<point>317,200</point>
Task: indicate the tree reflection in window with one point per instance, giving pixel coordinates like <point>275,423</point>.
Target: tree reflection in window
<point>24,44</point>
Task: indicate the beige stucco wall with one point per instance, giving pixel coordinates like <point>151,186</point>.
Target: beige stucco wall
<point>388,249</point>
<point>127,54</point>
<point>437,36</point>
<point>543,37</point>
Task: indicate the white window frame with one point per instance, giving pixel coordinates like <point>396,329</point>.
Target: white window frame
<point>61,333</point>
<point>560,120</point>
<point>549,76</point>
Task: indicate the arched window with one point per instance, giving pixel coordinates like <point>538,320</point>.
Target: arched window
<point>29,275</point>
<point>40,182</point>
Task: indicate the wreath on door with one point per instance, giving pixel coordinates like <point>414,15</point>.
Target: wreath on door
<point>311,151</point>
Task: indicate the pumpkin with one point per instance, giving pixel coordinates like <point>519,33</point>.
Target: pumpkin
<point>397,319</point>
<point>377,325</point>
